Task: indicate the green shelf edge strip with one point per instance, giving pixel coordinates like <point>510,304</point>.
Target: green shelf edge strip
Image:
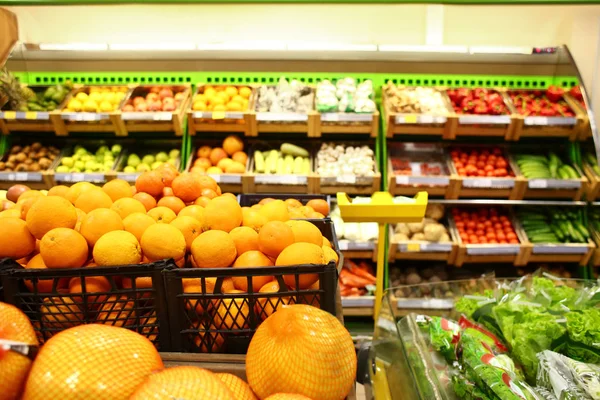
<point>211,77</point>
<point>171,2</point>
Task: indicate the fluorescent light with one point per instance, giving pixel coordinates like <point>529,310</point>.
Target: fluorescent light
<point>243,46</point>
<point>423,48</point>
<point>331,47</point>
<point>74,46</point>
<point>152,46</point>
<point>501,49</point>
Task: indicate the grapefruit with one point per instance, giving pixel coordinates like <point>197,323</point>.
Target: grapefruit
<point>239,388</point>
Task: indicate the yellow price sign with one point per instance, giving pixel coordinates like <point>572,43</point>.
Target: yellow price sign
<point>30,115</point>
<point>10,115</point>
<point>410,119</point>
<point>218,115</point>
<point>413,247</point>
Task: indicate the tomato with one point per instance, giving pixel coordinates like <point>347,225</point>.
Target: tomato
<point>460,224</point>
<point>473,239</point>
<point>493,241</point>
<point>490,230</point>
<point>490,235</point>
<point>511,236</point>
<point>500,236</point>
<point>479,232</point>
<point>464,237</point>
<point>454,153</point>
<point>470,231</point>
<point>492,159</point>
<point>501,163</point>
<point>462,171</point>
<point>490,174</point>
<point>503,241</point>
<point>488,168</point>
<point>503,218</point>
<point>494,219</point>
<point>506,223</point>
<point>481,173</point>
<point>498,225</point>
<point>464,214</point>
<point>482,157</point>
<point>463,154</point>
<point>501,172</point>
<point>480,226</point>
<point>471,225</point>
<point>458,164</point>
<point>480,164</point>
<point>513,241</point>
<point>482,239</point>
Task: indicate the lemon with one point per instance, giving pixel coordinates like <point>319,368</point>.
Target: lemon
<point>106,106</point>
<point>231,91</point>
<point>217,100</point>
<point>238,99</point>
<point>199,106</point>
<point>119,96</point>
<point>210,92</point>
<point>109,97</point>
<point>245,92</point>
<point>81,96</point>
<point>74,105</point>
<point>234,106</point>
<point>96,97</point>
<point>201,97</point>
<point>90,105</point>
<point>219,107</point>
<point>224,96</point>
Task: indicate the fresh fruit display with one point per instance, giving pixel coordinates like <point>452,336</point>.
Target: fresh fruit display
<point>150,161</point>
<point>356,279</point>
<point>548,103</point>
<point>96,99</point>
<point>157,98</point>
<point>489,162</point>
<point>575,92</point>
<point>286,97</point>
<point>537,166</point>
<point>230,158</point>
<point>428,230</point>
<point>222,98</point>
<point>362,232</point>
<point>83,160</point>
<point>477,101</point>
<point>31,158</point>
<point>554,225</point>
<point>289,160</point>
<point>313,209</point>
<point>415,100</point>
<point>334,160</point>
<point>592,161</point>
<point>486,225</point>
<point>405,166</point>
<point>345,96</point>
<point>26,98</point>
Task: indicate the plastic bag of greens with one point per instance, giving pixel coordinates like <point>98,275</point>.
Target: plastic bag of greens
<point>583,336</point>
<point>466,389</point>
<point>444,335</point>
<point>566,378</point>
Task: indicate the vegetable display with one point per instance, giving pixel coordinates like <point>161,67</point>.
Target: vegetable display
<point>477,101</point>
<point>537,166</point>
<point>483,226</point>
<point>356,279</point>
<point>290,159</point>
<point>341,160</point>
<point>429,230</point>
<point>345,96</point>
<point>25,98</point>
<point>489,162</point>
<point>592,161</point>
<point>353,231</point>
<point>553,225</point>
<point>415,100</point>
<point>287,96</point>
<point>548,103</point>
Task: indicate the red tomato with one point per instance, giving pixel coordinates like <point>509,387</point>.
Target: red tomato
<point>480,226</point>
<point>498,225</point>
<point>464,237</point>
<point>471,225</point>
<point>480,164</point>
<point>462,171</point>
<point>501,172</point>
<point>470,231</point>
<point>473,239</point>
<point>482,239</point>
<point>481,157</point>
<point>492,159</point>
<point>463,154</point>
<point>513,241</point>
<point>458,164</point>
<point>490,235</point>
<point>488,168</point>
<point>479,232</point>
<point>460,224</point>
<point>481,173</point>
<point>464,214</point>
<point>490,230</point>
<point>503,218</point>
<point>493,241</point>
<point>454,153</point>
<point>501,163</point>
<point>511,236</point>
<point>503,241</point>
<point>494,219</point>
<point>490,174</point>
<point>506,223</point>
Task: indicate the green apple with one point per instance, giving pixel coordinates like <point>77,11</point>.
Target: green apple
<point>162,156</point>
<point>148,159</point>
<point>74,170</point>
<point>76,157</point>
<point>116,149</point>
<point>174,153</point>
<point>62,168</point>
<point>107,168</point>
<point>81,151</point>
<point>143,167</point>
<point>108,163</point>
<point>87,158</point>
<point>88,171</point>
<point>133,160</point>
<point>172,161</point>
<point>67,162</point>
<point>79,165</point>
<point>102,150</point>
<point>129,169</point>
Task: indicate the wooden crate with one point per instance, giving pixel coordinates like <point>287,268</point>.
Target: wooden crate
<point>543,127</point>
<point>140,147</point>
<point>572,189</point>
<point>348,123</point>
<point>66,122</point>
<point>421,250</point>
<point>243,122</point>
<point>416,124</point>
<point>358,250</point>
<point>579,253</point>
<point>155,121</point>
<point>70,178</point>
<point>592,188</point>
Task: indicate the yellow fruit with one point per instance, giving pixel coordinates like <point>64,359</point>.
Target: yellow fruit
<point>98,222</point>
<point>298,254</point>
<point>117,248</point>
<point>245,92</point>
<point>163,241</point>
<point>75,105</point>
<point>301,341</point>
<point>81,96</point>
<point>90,106</point>
<point>275,211</point>
<point>305,231</point>
<point>137,223</point>
<point>222,213</point>
<point>239,388</point>
<point>214,249</point>
<point>199,106</point>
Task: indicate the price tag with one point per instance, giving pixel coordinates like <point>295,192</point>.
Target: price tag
<point>535,121</point>
<point>484,119</point>
<point>538,184</point>
<point>410,119</point>
<point>231,178</point>
<point>21,176</point>
<point>162,116</point>
<point>217,178</point>
<point>330,117</point>
<point>274,117</point>
<point>31,115</point>
<point>218,115</point>
<point>402,180</point>
<point>128,177</point>
<point>351,179</point>
<point>426,119</point>
<point>77,177</point>
<point>10,115</point>
<point>480,183</point>
<point>413,247</point>
<point>10,177</point>
<point>343,245</point>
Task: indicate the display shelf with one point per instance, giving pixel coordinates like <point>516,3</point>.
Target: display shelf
<point>229,182</point>
<point>26,121</point>
<point>359,250</point>
<point>420,250</point>
<point>592,189</point>
<point>348,123</point>
<point>359,306</point>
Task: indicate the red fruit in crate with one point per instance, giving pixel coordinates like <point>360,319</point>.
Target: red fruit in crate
<point>155,89</point>
<point>137,100</point>
<point>154,105</point>
<point>164,93</point>
<point>128,108</point>
<point>141,107</point>
<point>152,97</point>
<point>179,96</point>
<point>169,107</point>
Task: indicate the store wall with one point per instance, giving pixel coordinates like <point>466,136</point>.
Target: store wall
<point>577,26</point>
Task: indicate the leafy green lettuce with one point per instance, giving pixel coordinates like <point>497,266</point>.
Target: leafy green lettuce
<point>583,329</point>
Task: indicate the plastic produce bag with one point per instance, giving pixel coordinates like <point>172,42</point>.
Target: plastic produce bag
<point>566,378</point>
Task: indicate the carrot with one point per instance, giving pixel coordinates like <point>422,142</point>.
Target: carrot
<point>348,278</point>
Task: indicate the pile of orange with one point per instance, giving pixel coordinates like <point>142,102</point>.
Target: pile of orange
<point>230,158</point>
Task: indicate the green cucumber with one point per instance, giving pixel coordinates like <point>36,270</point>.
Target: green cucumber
<point>293,150</point>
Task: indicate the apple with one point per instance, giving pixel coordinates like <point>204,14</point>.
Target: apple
<point>151,97</point>
<point>164,93</point>
<point>128,108</point>
<point>15,191</point>
<point>6,204</point>
<point>154,106</point>
<point>180,96</point>
<point>155,89</point>
<point>141,107</point>
<point>169,107</point>
<point>137,100</point>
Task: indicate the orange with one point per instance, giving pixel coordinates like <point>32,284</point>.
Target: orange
<point>315,215</point>
<point>162,215</point>
<point>80,216</point>
<point>60,313</point>
<point>298,254</point>
<point>117,189</point>
<point>148,201</point>
<point>250,259</point>
<point>42,285</point>
<point>239,388</point>
<point>137,223</point>
<point>117,311</point>
<point>195,287</point>
<point>63,248</point>
<point>266,306</point>
<point>305,210</point>
<point>150,327</point>
<point>202,201</point>
<point>266,200</point>
<point>167,191</point>
<point>326,243</point>
<point>216,155</point>
<point>190,227</point>
<point>193,211</point>
<point>150,182</point>
<point>92,199</point>
<point>163,241</point>
<point>58,190</point>
<point>224,163</point>
<point>122,360</point>
<point>203,151</point>
<point>223,213</point>
<point>77,189</point>
<point>117,248</point>
<point>168,173</point>
<point>232,314</point>
<point>245,239</point>
<point>11,213</point>
<point>208,340</point>
<point>293,203</point>
<point>15,239</point>
<point>172,202</point>
<point>93,284</point>
<point>330,255</point>
<point>305,231</point>
<point>232,144</point>
<point>240,157</point>
<point>26,205</point>
<point>143,286</point>
<point>319,205</point>
<point>213,249</point>
<point>98,222</point>
<point>275,210</point>
<point>299,341</point>
<point>183,383</point>
<point>206,182</point>
<point>273,237</point>
<point>14,367</point>
<point>209,193</point>
<point>48,213</point>
<point>203,162</point>
<point>127,206</point>
<point>187,187</point>
<point>287,396</point>
<point>227,285</point>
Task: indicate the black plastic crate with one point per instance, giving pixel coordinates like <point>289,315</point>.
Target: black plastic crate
<point>206,316</point>
<point>129,296</point>
<point>248,200</point>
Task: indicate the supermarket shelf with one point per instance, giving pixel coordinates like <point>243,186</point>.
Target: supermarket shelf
<point>358,306</point>
<point>491,202</point>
